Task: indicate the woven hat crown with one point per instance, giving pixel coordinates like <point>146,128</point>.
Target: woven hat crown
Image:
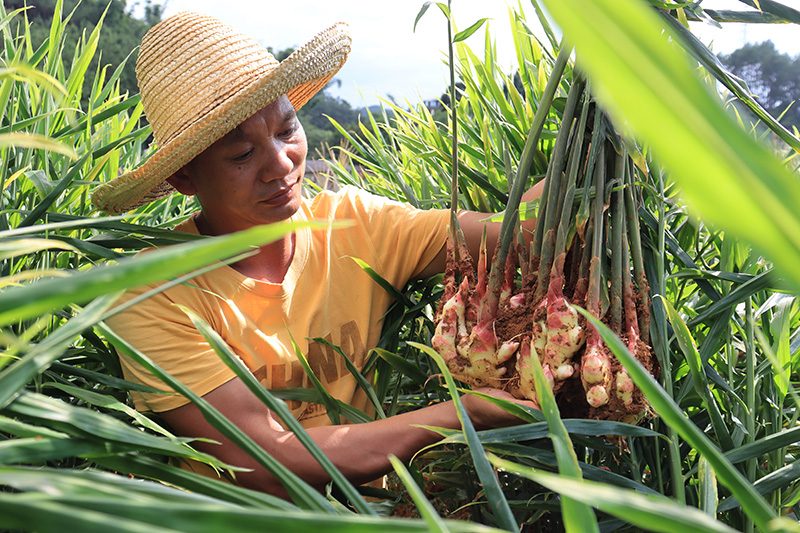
<point>199,78</point>
<point>183,75</point>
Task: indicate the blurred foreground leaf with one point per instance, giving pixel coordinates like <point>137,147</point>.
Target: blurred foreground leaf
<point>648,83</point>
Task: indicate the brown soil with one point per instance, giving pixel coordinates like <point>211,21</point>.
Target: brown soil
<point>444,499</point>
<point>512,323</point>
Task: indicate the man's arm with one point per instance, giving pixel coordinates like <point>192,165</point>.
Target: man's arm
<point>360,451</point>
<point>472,226</point>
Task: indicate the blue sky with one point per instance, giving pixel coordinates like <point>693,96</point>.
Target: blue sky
<point>389,58</point>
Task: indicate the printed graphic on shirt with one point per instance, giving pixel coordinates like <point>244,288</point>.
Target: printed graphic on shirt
<point>324,361</point>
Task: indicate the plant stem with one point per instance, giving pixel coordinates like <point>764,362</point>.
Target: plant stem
<point>576,156</point>
<point>598,131</point>
<point>676,471</point>
<point>556,190</point>
<point>635,239</point>
<point>454,131</point>
<point>583,216</point>
<point>617,260</point>
<point>525,162</point>
<point>582,284</point>
<point>595,268</point>
<point>749,420</point>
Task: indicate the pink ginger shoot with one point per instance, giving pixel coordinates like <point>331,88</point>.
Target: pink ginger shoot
<point>564,335</point>
<point>525,362</point>
<point>595,371</point>
<point>451,328</point>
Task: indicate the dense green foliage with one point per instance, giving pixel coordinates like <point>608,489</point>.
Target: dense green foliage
<point>719,451</point>
<point>118,42</point>
<point>316,118</point>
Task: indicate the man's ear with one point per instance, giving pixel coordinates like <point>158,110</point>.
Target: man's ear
<point>182,181</point>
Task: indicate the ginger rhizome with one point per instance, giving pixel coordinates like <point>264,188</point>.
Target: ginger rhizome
<point>585,251</point>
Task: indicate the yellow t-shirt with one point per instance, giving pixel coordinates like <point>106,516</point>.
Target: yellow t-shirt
<point>324,294</point>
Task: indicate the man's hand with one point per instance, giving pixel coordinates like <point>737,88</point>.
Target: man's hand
<point>486,415</point>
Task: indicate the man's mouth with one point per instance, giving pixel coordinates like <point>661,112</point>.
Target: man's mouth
<point>283,195</point>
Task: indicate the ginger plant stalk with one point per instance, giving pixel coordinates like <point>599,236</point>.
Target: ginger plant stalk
<point>586,229</point>
<point>640,279</point>
<point>555,334</point>
<point>555,192</point>
<point>465,333</point>
<point>586,238</point>
<point>595,364</point>
<point>511,215</point>
<point>564,335</point>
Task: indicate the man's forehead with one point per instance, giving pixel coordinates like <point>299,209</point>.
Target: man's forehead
<point>233,136</point>
<point>237,134</point>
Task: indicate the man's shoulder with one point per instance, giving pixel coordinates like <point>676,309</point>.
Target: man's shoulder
<point>348,202</point>
<point>187,226</point>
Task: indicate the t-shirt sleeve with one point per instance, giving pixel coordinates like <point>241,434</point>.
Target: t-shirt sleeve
<point>162,331</point>
<point>405,239</point>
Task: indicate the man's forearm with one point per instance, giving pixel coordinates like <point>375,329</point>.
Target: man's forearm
<point>360,451</point>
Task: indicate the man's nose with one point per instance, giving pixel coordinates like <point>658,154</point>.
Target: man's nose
<point>277,161</point>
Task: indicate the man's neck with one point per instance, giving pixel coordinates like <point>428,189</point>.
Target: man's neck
<point>270,263</point>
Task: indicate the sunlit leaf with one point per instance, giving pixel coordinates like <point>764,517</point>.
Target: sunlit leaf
<point>463,35</point>
<point>36,141</point>
<point>654,89</point>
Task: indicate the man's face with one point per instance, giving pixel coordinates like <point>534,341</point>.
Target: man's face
<point>251,176</point>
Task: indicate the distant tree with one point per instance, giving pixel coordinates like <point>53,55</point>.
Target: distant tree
<point>770,75</point>
<point>120,36</point>
<point>315,118</point>
<point>323,105</point>
<point>280,55</point>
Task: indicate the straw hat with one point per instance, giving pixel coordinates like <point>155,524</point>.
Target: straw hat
<point>199,79</point>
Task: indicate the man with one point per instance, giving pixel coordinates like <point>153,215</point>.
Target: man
<point>223,113</point>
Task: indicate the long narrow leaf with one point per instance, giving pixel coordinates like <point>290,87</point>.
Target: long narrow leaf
<point>494,493</point>
<point>19,303</point>
<point>357,375</point>
<point>301,493</point>
<point>145,467</point>
<point>577,516</point>
<point>776,480</point>
<point>426,510</point>
<point>388,287</point>
<point>85,423</point>
<point>18,513</point>
<point>653,513</point>
<point>280,409</point>
<point>325,397</point>
<point>672,415</point>
<point>699,379</point>
<point>94,515</point>
<point>14,378</point>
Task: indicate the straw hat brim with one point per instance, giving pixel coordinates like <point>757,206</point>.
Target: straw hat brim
<point>294,76</point>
